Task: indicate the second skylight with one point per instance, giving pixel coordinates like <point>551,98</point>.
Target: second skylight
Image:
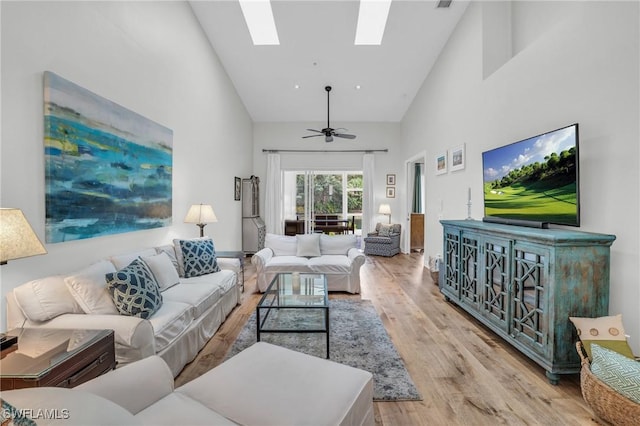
<point>372,19</point>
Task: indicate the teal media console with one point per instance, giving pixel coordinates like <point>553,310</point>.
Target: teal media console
<point>525,283</point>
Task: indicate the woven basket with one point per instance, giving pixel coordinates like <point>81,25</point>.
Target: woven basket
<point>608,405</point>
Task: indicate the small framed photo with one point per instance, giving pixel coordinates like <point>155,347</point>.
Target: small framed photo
<point>441,163</point>
<point>391,179</point>
<point>457,160</point>
<point>391,192</point>
<point>237,188</point>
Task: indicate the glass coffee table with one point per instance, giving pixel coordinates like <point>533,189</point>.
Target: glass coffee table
<point>294,303</point>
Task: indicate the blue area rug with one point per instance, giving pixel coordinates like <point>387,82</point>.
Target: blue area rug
<point>357,338</point>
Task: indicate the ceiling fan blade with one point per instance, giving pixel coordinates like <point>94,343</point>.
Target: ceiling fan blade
<point>311,136</point>
<point>314,130</point>
<point>344,135</point>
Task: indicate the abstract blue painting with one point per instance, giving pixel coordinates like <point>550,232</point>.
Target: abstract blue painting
<point>108,169</point>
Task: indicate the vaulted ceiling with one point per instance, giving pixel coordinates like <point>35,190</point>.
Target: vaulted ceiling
<point>317,49</point>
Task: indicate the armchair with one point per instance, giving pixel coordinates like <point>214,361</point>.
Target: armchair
<point>384,241</point>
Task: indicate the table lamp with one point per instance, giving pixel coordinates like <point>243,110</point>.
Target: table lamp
<point>385,209</point>
<point>200,214</point>
<point>17,239</point>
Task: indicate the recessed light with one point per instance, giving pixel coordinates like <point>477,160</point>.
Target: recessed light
<point>358,87</point>
<point>296,86</point>
<point>372,18</point>
<point>259,18</point>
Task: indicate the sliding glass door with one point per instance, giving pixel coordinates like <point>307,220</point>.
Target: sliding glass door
<point>309,193</point>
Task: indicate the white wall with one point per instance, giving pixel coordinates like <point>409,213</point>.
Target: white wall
<point>581,68</point>
<point>151,57</point>
<point>369,136</point>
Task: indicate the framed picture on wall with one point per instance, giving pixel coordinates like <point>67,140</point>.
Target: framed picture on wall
<point>391,179</point>
<point>236,188</point>
<point>441,163</point>
<point>457,160</point>
<point>391,192</point>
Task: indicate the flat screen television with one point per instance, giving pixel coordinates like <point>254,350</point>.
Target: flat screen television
<point>534,182</point>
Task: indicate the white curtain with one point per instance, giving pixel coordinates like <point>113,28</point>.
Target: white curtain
<point>273,196</point>
<point>368,209</point>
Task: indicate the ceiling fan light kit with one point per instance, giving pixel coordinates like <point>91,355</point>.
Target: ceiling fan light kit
<point>328,132</point>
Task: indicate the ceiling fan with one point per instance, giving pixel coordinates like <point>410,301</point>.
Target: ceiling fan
<point>328,132</point>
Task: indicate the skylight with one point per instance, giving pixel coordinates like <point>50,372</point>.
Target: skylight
<point>372,19</point>
<point>259,18</point>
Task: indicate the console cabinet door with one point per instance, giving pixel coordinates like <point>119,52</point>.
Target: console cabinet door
<point>470,261</point>
<point>529,305</point>
<point>450,285</point>
<point>496,282</point>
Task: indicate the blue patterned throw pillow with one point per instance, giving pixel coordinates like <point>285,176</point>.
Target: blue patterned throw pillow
<point>9,415</point>
<point>199,257</point>
<point>134,290</point>
<point>617,371</point>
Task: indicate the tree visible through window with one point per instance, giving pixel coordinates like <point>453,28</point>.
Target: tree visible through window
<point>337,193</point>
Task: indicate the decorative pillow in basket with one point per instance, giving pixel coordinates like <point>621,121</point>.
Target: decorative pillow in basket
<point>610,376</point>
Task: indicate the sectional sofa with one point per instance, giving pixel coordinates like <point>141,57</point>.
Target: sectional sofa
<point>262,385</point>
<point>186,295</point>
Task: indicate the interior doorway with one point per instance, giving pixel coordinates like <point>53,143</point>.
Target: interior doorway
<point>415,203</point>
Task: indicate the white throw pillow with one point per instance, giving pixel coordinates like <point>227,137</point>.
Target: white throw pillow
<point>282,245</point>
<point>308,245</point>
<point>89,288</point>
<point>45,298</point>
<point>170,251</point>
<point>337,244</point>
<point>121,261</point>
<point>162,268</point>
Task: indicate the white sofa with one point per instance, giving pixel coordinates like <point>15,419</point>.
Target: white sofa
<point>337,256</point>
<point>262,385</point>
<point>192,308</point>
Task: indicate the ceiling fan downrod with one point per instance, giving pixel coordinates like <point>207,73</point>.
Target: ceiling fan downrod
<point>328,89</point>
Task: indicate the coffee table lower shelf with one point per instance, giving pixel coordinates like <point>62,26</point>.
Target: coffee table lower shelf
<point>294,303</point>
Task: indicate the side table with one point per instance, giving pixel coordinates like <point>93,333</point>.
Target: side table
<point>238,255</point>
<point>56,357</point>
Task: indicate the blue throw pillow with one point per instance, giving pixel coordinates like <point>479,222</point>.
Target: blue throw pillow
<point>617,371</point>
<point>11,415</point>
<point>134,290</point>
<point>198,257</point>
<point>384,231</point>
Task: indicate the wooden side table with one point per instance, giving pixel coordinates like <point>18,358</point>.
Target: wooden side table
<point>56,357</point>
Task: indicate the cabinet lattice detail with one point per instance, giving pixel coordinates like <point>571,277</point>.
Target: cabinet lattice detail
<point>528,299</point>
<point>495,283</point>
<point>470,271</point>
<point>524,283</point>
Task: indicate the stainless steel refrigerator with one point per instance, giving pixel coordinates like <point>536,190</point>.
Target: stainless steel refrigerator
<point>253,227</point>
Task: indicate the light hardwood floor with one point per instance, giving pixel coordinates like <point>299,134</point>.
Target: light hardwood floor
<point>466,374</point>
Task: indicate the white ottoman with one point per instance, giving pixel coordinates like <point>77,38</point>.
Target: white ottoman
<point>270,385</point>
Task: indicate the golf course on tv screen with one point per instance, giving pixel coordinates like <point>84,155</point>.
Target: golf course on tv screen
<point>535,179</point>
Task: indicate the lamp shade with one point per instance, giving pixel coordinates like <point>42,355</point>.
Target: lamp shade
<point>17,239</point>
<point>384,209</point>
<point>200,213</point>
